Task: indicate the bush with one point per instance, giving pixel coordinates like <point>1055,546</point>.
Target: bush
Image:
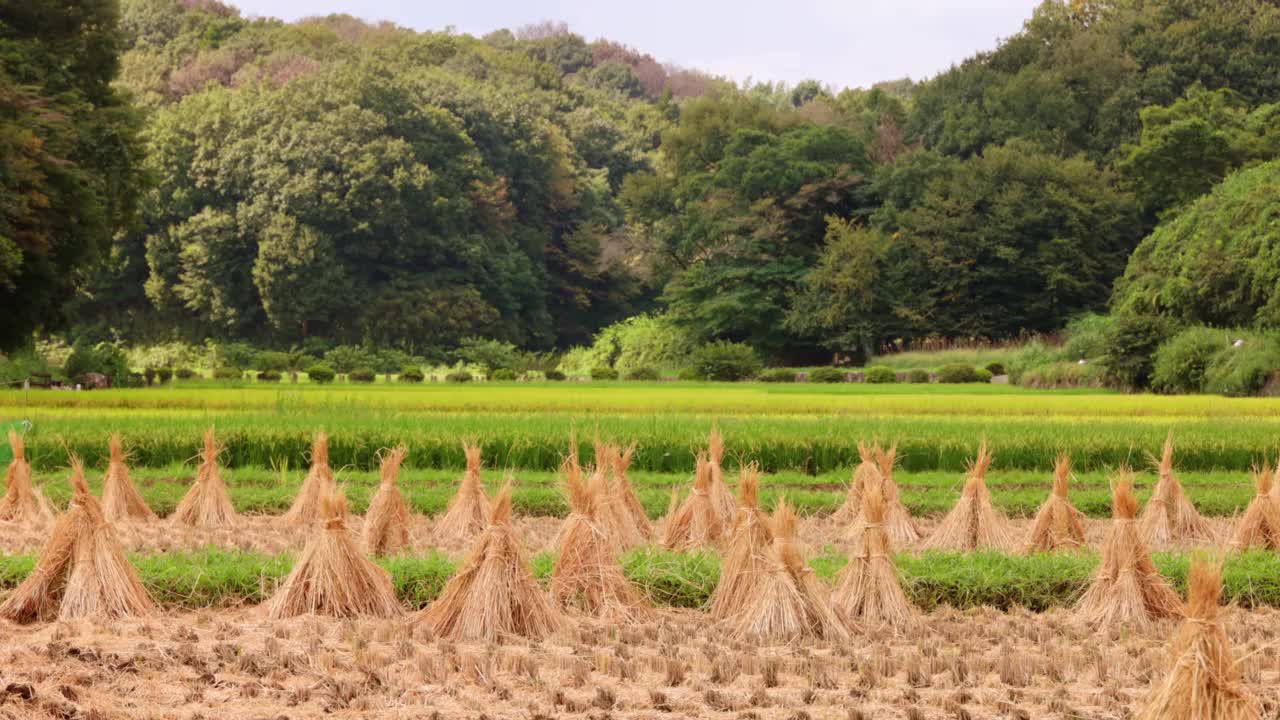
<point>275,361</point>
<point>1131,347</point>
<point>489,355</point>
<point>1181,363</point>
<point>826,375</point>
<point>362,375</point>
<point>725,361</point>
<point>346,358</point>
<point>554,375</point>
<point>777,375</point>
<point>164,374</point>
<point>269,376</point>
<point>1030,356</point>
<point>642,341</point>
<point>690,374</point>
<point>1244,370</point>
<point>1064,374</point>
<point>321,373</point>
<point>149,375</point>
<point>957,373</point>
<point>503,375</point>
<point>103,358</point>
<point>995,368</point>
<point>1087,337</point>
<point>982,375</point>
<point>227,373</point>
<point>458,376</point>
<point>643,374</point>
<point>918,375</point>
<point>411,374</point>
<point>882,374</point>
<point>184,373</point>
<point>604,373</point>
<point>235,355</point>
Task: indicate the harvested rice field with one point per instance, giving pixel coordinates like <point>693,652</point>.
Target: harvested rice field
<point>225,558</point>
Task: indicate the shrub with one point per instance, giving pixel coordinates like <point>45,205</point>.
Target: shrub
<point>982,375</point>
<point>346,358</point>
<point>20,365</point>
<point>725,361</point>
<point>957,373</point>
<point>1182,362</point>
<point>917,375</point>
<point>1064,374</point>
<point>363,375</point>
<point>1032,355</point>
<point>488,354</point>
<point>995,368</point>
<point>882,374</point>
<point>642,341</point>
<point>1087,337</point>
<point>1244,370</point>
<point>275,361</point>
<point>826,375</point>
<point>503,375</point>
<point>458,376</point>
<point>269,376</point>
<point>164,374</point>
<point>690,374</point>
<point>777,375</point>
<point>321,373</point>
<point>184,373</point>
<point>227,373</point>
<point>411,374</point>
<point>604,373</point>
<point>236,355</point>
<point>1131,347</point>
<point>554,375</point>
<point>104,358</point>
<point>149,375</point>
<point>643,374</point>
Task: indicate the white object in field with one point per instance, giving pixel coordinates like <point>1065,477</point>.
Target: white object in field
<point>77,387</point>
<point>1083,362</point>
<point>1238,343</point>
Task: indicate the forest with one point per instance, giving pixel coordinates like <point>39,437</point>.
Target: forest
<point>171,170</point>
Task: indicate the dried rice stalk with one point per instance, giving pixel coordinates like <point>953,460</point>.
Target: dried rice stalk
<point>332,577</point>
<point>494,595</point>
<point>207,503</point>
<point>1202,682</point>
<point>898,523</point>
<point>307,506</point>
<point>749,546</point>
<point>468,511</point>
<point>612,515</point>
<point>626,494</point>
<point>386,522</point>
<point>82,572</point>
<point>120,499</point>
<point>22,501</point>
<point>1169,515</point>
<point>1058,524</point>
<point>788,603</point>
<point>974,523</point>
<point>1260,525</point>
<point>868,592</point>
<point>721,496</point>
<point>695,523</point>
<point>848,511</point>
<point>1126,588</point>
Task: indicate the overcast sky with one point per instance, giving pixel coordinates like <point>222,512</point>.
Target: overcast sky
<point>841,43</point>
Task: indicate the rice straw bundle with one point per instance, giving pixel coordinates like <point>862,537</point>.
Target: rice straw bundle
<point>695,523</point>
<point>626,494</point>
<point>22,501</point>
<point>1260,525</point>
<point>748,550</point>
<point>868,592</point>
<point>611,514</point>
<point>587,576</point>
<point>852,505</point>
<point>207,503</point>
<point>787,602</point>
<point>120,499</point>
<point>386,522</point>
<point>1169,515</point>
<point>319,484</point>
<point>1126,589</point>
<point>82,571</point>
<point>1058,524</point>
<point>494,595</point>
<point>721,496</point>
<point>1203,681</point>
<point>898,523</point>
<point>468,511</point>
<point>332,576</point>
<point>974,523</point>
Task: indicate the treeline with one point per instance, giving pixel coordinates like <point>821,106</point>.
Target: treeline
<point>331,182</point>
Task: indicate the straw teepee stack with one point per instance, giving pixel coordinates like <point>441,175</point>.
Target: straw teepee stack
<point>386,522</point>
<point>626,494</point>
<point>868,592</point>
<point>1203,681</point>
<point>974,523</point>
<point>1126,589</point>
<point>1169,515</point>
<point>787,602</point>
<point>695,523</point>
<point>1058,524</point>
<point>82,571</point>
<point>722,499</point>
<point>749,545</point>
<point>307,506</point>
<point>207,503</point>
<point>1260,524</point>
<point>862,474</point>
<point>332,576</point>
<point>898,523</point>
<point>120,499</point>
<point>587,577</point>
<point>494,594</point>
<point>611,512</point>
<point>22,501</point>
<point>469,510</point>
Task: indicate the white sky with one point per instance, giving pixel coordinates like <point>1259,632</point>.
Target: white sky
<point>853,43</point>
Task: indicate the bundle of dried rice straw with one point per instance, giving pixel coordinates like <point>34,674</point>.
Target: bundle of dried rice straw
<point>1058,524</point>
<point>721,496</point>
<point>120,499</point>
<point>494,594</point>
<point>469,510</point>
<point>82,571</point>
<point>22,501</point>
<point>1260,524</point>
<point>868,592</point>
<point>207,503</point>
<point>749,545</point>
<point>386,522</point>
<point>623,490</point>
<point>974,523</point>
<point>332,576</point>
<point>862,474</point>
<point>1126,589</point>
<point>695,523</point>
<point>307,506</point>
<point>898,523</point>
<point>787,602</point>
<point>611,513</point>
<point>1169,514</point>
<point>1202,682</point>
